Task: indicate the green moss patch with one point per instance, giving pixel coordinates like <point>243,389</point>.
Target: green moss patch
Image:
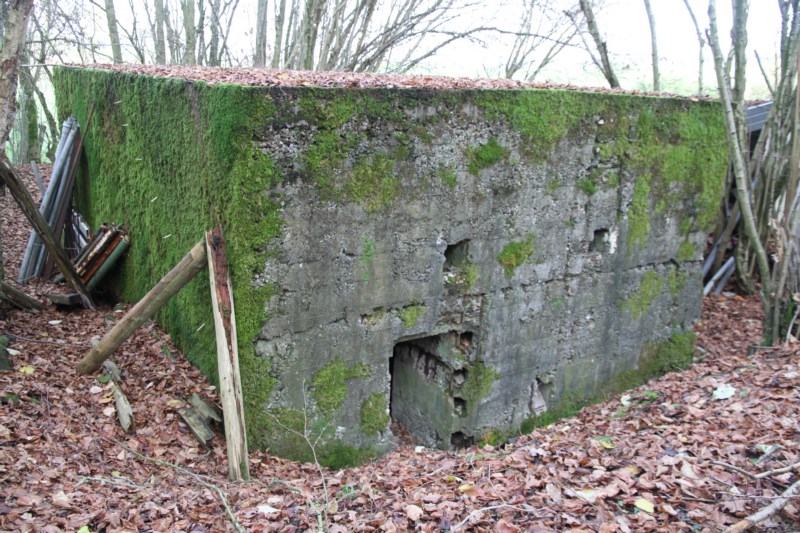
<point>410,314</point>
<point>480,379</point>
<point>643,297</point>
<point>656,359</point>
<point>639,213</point>
<point>686,251</point>
<point>588,186</point>
<point>373,183</point>
<point>484,156</point>
<point>374,413</point>
<point>329,387</point>
<point>516,253</point>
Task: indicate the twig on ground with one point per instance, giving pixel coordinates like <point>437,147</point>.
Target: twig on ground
<point>476,512</point>
<point>105,481</point>
<point>760,475</point>
<point>199,479</point>
<point>776,505</point>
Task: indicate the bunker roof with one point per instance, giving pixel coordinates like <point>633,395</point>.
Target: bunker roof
<point>267,77</point>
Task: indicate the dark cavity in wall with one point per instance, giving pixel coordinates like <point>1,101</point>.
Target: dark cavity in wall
<point>456,255</point>
<point>421,382</point>
<point>601,242</point>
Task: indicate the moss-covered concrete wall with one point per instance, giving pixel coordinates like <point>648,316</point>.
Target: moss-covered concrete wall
<point>473,261</point>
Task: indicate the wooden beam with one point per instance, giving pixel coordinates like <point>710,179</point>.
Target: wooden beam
<point>25,202</point>
<point>230,385</point>
<point>165,289</point>
<point>18,298</point>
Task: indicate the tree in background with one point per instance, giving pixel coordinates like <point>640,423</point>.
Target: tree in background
<point>598,53</point>
<point>651,20</point>
<point>12,42</point>
<point>546,25</point>
<point>765,176</point>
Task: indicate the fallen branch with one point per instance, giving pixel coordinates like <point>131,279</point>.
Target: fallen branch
<point>165,289</point>
<point>776,505</point>
<point>476,512</point>
<point>18,298</point>
<point>196,477</point>
<point>760,475</point>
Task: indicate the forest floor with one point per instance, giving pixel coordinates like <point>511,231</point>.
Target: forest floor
<point>677,454</point>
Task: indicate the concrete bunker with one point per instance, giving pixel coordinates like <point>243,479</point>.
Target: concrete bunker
<point>505,255</point>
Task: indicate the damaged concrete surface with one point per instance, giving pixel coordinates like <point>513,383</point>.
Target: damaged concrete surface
<point>464,262</point>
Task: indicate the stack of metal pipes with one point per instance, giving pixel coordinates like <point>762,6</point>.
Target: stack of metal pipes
<point>54,200</point>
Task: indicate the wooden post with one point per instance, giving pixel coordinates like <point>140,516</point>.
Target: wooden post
<point>230,385</point>
<point>165,289</point>
<point>23,198</point>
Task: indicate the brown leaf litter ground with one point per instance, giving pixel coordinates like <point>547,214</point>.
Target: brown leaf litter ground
<point>649,460</point>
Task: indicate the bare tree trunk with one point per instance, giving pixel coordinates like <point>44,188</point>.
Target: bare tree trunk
<point>600,44</point>
<point>201,32</point>
<point>739,147</point>
<point>113,32</point>
<point>653,45</point>
<point>279,21</point>
<point>216,26</point>
<point>15,25</point>
<point>702,42</point>
<point>158,35</point>
<point>260,56</point>
<point>190,30</point>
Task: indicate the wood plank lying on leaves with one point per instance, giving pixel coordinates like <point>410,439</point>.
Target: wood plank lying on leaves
<point>198,424</point>
<point>212,413</point>
<point>124,411</point>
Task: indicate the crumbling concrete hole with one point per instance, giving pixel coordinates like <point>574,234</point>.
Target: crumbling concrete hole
<point>426,376</point>
<point>456,255</point>
<point>601,241</point>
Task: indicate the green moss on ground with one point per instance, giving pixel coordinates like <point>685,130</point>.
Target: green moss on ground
<point>643,297</point>
<point>484,156</point>
<point>516,253</point>
<point>374,414</point>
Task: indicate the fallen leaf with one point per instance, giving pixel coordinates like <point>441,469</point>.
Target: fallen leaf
<point>55,322</point>
<point>644,504</point>
<point>413,512</point>
<point>267,509</point>
<point>13,352</point>
<point>61,500</point>
<point>723,392</point>
<point>27,370</point>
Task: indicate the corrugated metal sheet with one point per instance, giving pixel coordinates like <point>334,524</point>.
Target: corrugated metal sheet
<point>757,115</point>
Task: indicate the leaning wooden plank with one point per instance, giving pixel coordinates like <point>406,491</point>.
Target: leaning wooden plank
<point>23,198</point>
<point>197,425</point>
<point>165,289</point>
<point>124,411</point>
<point>18,298</point>
<point>230,385</point>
